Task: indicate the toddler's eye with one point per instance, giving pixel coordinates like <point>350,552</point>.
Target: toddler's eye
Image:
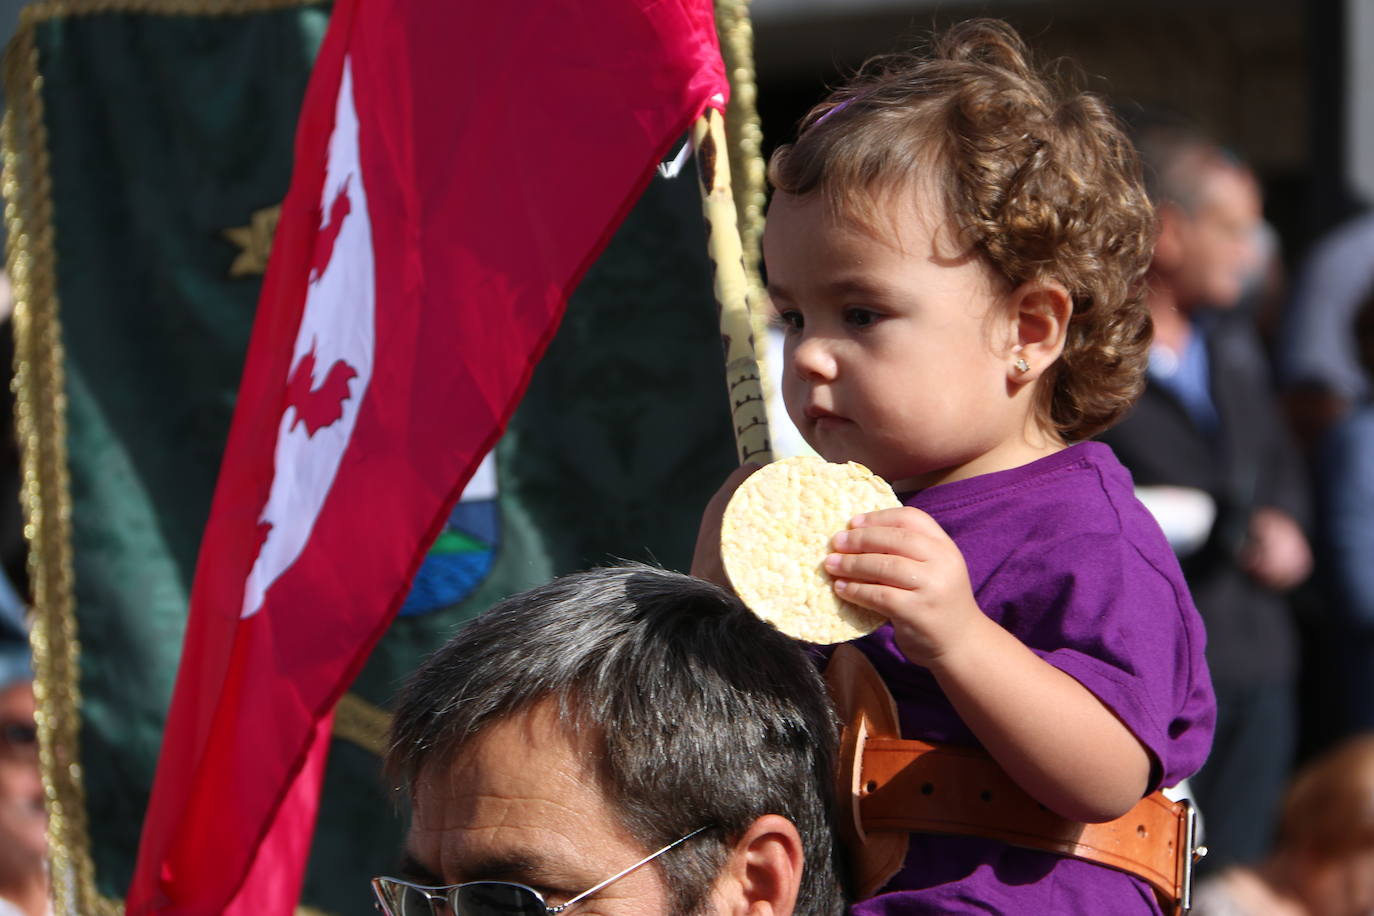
<point>860,317</point>
<point>787,319</point>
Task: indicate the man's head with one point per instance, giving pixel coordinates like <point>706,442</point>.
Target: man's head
<point>578,727</point>
<point>23,820</point>
<point>1209,216</point>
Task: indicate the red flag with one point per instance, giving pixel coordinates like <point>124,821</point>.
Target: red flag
<point>458,167</point>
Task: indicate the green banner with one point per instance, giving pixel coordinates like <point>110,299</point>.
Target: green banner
<point>146,150</point>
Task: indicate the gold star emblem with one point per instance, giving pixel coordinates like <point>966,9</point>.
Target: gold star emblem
<point>255,240</point>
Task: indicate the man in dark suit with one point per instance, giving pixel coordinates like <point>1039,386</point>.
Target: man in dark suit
<point>1208,421</point>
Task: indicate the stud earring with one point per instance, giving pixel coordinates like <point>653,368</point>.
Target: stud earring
<point>1021,364</point>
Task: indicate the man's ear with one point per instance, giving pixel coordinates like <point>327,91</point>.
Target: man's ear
<point>1040,311</point>
<point>763,873</point>
<point>1169,237</point>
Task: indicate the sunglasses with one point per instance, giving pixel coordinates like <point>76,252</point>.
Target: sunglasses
<point>486,898</point>
<point>19,738</point>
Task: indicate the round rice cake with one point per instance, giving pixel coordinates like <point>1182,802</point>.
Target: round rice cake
<point>776,533</point>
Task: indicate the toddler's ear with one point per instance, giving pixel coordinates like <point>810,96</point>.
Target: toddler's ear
<point>1040,310</point>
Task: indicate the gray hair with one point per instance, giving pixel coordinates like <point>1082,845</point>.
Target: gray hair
<point>1176,160</point>
<point>703,713</point>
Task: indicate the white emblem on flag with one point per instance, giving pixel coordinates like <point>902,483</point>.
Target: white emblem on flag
<point>331,363</point>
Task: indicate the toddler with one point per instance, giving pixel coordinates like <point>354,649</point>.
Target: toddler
<point>955,249</point>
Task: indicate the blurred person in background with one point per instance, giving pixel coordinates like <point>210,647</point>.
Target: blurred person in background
<point>1323,861</point>
<point>1319,367</point>
<point>1345,484</point>
<point>1209,423</point>
<point>23,820</point>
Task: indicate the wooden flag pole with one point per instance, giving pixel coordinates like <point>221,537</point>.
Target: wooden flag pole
<point>732,290</point>
<point>744,132</point>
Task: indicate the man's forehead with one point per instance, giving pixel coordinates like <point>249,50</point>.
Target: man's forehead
<point>512,796</point>
<point>530,755</point>
<point>17,700</point>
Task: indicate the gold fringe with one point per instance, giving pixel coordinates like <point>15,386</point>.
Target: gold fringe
<point>742,128</point>
<point>41,429</point>
<point>362,723</point>
<point>40,419</point>
<point>44,10</point>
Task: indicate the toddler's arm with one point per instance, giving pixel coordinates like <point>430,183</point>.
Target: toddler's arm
<point>1048,731</point>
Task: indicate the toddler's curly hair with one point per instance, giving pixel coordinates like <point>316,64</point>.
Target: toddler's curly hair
<point>1037,176</point>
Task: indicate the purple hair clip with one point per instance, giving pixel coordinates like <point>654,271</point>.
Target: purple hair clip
<point>839,108</point>
<point>836,110</point>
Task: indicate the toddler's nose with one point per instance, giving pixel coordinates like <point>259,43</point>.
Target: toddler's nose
<point>812,358</point>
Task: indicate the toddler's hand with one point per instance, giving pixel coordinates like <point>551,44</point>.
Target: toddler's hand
<point>902,564</point>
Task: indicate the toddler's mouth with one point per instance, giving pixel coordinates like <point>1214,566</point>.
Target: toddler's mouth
<point>820,413</point>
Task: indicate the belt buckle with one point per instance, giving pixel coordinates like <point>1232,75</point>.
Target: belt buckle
<point>1191,854</point>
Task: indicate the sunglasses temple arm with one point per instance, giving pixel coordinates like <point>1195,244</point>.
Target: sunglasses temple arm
<point>618,875</point>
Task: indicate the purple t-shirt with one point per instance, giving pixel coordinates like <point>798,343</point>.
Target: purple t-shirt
<point>1062,554</point>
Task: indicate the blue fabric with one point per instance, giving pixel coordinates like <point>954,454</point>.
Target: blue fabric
<point>15,664</point>
<point>1347,475</point>
<point>1187,376</point>
<point>1316,346</point>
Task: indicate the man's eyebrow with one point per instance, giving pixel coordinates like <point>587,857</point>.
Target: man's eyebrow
<point>415,871</point>
<point>523,866</point>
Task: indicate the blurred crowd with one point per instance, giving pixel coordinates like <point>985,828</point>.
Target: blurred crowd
<point>1253,443</point>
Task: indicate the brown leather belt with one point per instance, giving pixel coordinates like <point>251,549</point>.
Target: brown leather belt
<point>889,787</point>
